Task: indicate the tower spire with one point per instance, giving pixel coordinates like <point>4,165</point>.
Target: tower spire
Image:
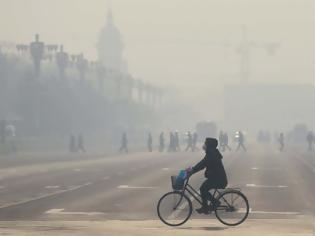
<point>110,46</point>
<point>109,11</point>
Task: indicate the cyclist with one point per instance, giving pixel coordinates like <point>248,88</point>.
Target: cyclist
<point>215,175</point>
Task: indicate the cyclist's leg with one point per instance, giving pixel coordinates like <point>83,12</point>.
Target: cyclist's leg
<point>205,191</point>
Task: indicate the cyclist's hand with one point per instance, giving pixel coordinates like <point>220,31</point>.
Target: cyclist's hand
<point>189,171</point>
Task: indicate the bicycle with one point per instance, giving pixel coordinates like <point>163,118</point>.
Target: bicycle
<point>178,206</point>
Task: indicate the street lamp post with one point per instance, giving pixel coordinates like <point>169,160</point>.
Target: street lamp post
<point>3,83</point>
<point>140,87</point>
<point>37,53</point>
<point>22,49</point>
<point>82,66</point>
<point>62,60</point>
<point>52,49</point>
<point>147,89</point>
<point>130,86</point>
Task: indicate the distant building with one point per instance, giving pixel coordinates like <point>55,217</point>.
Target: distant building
<point>268,106</point>
<point>110,46</point>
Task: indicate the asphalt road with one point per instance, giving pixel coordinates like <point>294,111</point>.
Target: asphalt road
<point>127,187</point>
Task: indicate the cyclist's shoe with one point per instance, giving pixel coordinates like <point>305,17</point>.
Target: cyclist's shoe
<point>213,207</point>
<point>203,210</point>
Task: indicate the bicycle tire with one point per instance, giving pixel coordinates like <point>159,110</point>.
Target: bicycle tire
<point>219,209</point>
<point>179,195</point>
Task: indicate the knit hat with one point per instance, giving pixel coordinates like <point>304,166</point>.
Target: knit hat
<point>211,142</point>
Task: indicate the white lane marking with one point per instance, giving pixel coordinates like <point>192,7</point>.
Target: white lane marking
<point>165,169</point>
<point>265,186</point>
<point>78,170</point>
<point>2,187</point>
<point>72,188</point>
<point>275,212</point>
<point>62,212</point>
<point>50,187</point>
<point>265,169</point>
<point>133,187</point>
<point>242,210</point>
<point>106,178</point>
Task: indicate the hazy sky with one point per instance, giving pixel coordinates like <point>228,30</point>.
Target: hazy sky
<point>180,42</point>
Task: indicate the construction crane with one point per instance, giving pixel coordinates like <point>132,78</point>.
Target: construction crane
<point>244,49</point>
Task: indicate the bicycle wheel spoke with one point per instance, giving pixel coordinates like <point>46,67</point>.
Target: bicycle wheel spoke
<point>227,203</point>
<point>174,208</point>
<point>230,215</point>
<point>237,197</point>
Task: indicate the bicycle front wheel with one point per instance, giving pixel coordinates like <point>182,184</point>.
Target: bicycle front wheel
<point>174,208</point>
<point>234,208</point>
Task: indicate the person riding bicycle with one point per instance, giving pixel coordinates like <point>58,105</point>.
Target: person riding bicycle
<point>215,175</point>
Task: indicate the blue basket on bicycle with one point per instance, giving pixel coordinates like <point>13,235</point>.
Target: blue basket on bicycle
<point>178,182</point>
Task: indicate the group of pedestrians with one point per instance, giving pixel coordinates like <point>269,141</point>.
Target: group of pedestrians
<point>310,139</point>
<point>76,144</point>
<point>224,141</point>
<point>192,140</point>
<point>172,146</point>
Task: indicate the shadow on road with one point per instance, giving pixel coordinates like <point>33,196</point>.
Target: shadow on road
<point>214,228</point>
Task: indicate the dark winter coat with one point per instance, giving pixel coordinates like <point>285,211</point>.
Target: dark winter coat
<point>214,167</point>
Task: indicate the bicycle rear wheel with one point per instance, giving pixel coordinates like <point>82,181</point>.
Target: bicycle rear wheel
<point>174,208</point>
<point>234,208</point>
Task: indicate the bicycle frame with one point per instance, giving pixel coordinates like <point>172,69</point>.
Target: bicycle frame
<point>196,195</point>
<point>222,195</point>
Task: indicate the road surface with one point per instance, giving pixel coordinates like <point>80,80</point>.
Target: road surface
<point>279,185</point>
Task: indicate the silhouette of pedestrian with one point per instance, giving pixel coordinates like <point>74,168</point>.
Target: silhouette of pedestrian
<point>221,141</point>
<point>241,141</point>
<point>162,142</point>
<point>226,141</point>
<point>72,145</point>
<point>81,143</point>
<point>281,142</point>
<point>194,141</point>
<point>149,142</point>
<point>176,141</point>
<point>171,147</point>
<point>310,140</point>
<point>2,131</point>
<point>124,143</point>
<point>189,142</point>
<point>10,133</point>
